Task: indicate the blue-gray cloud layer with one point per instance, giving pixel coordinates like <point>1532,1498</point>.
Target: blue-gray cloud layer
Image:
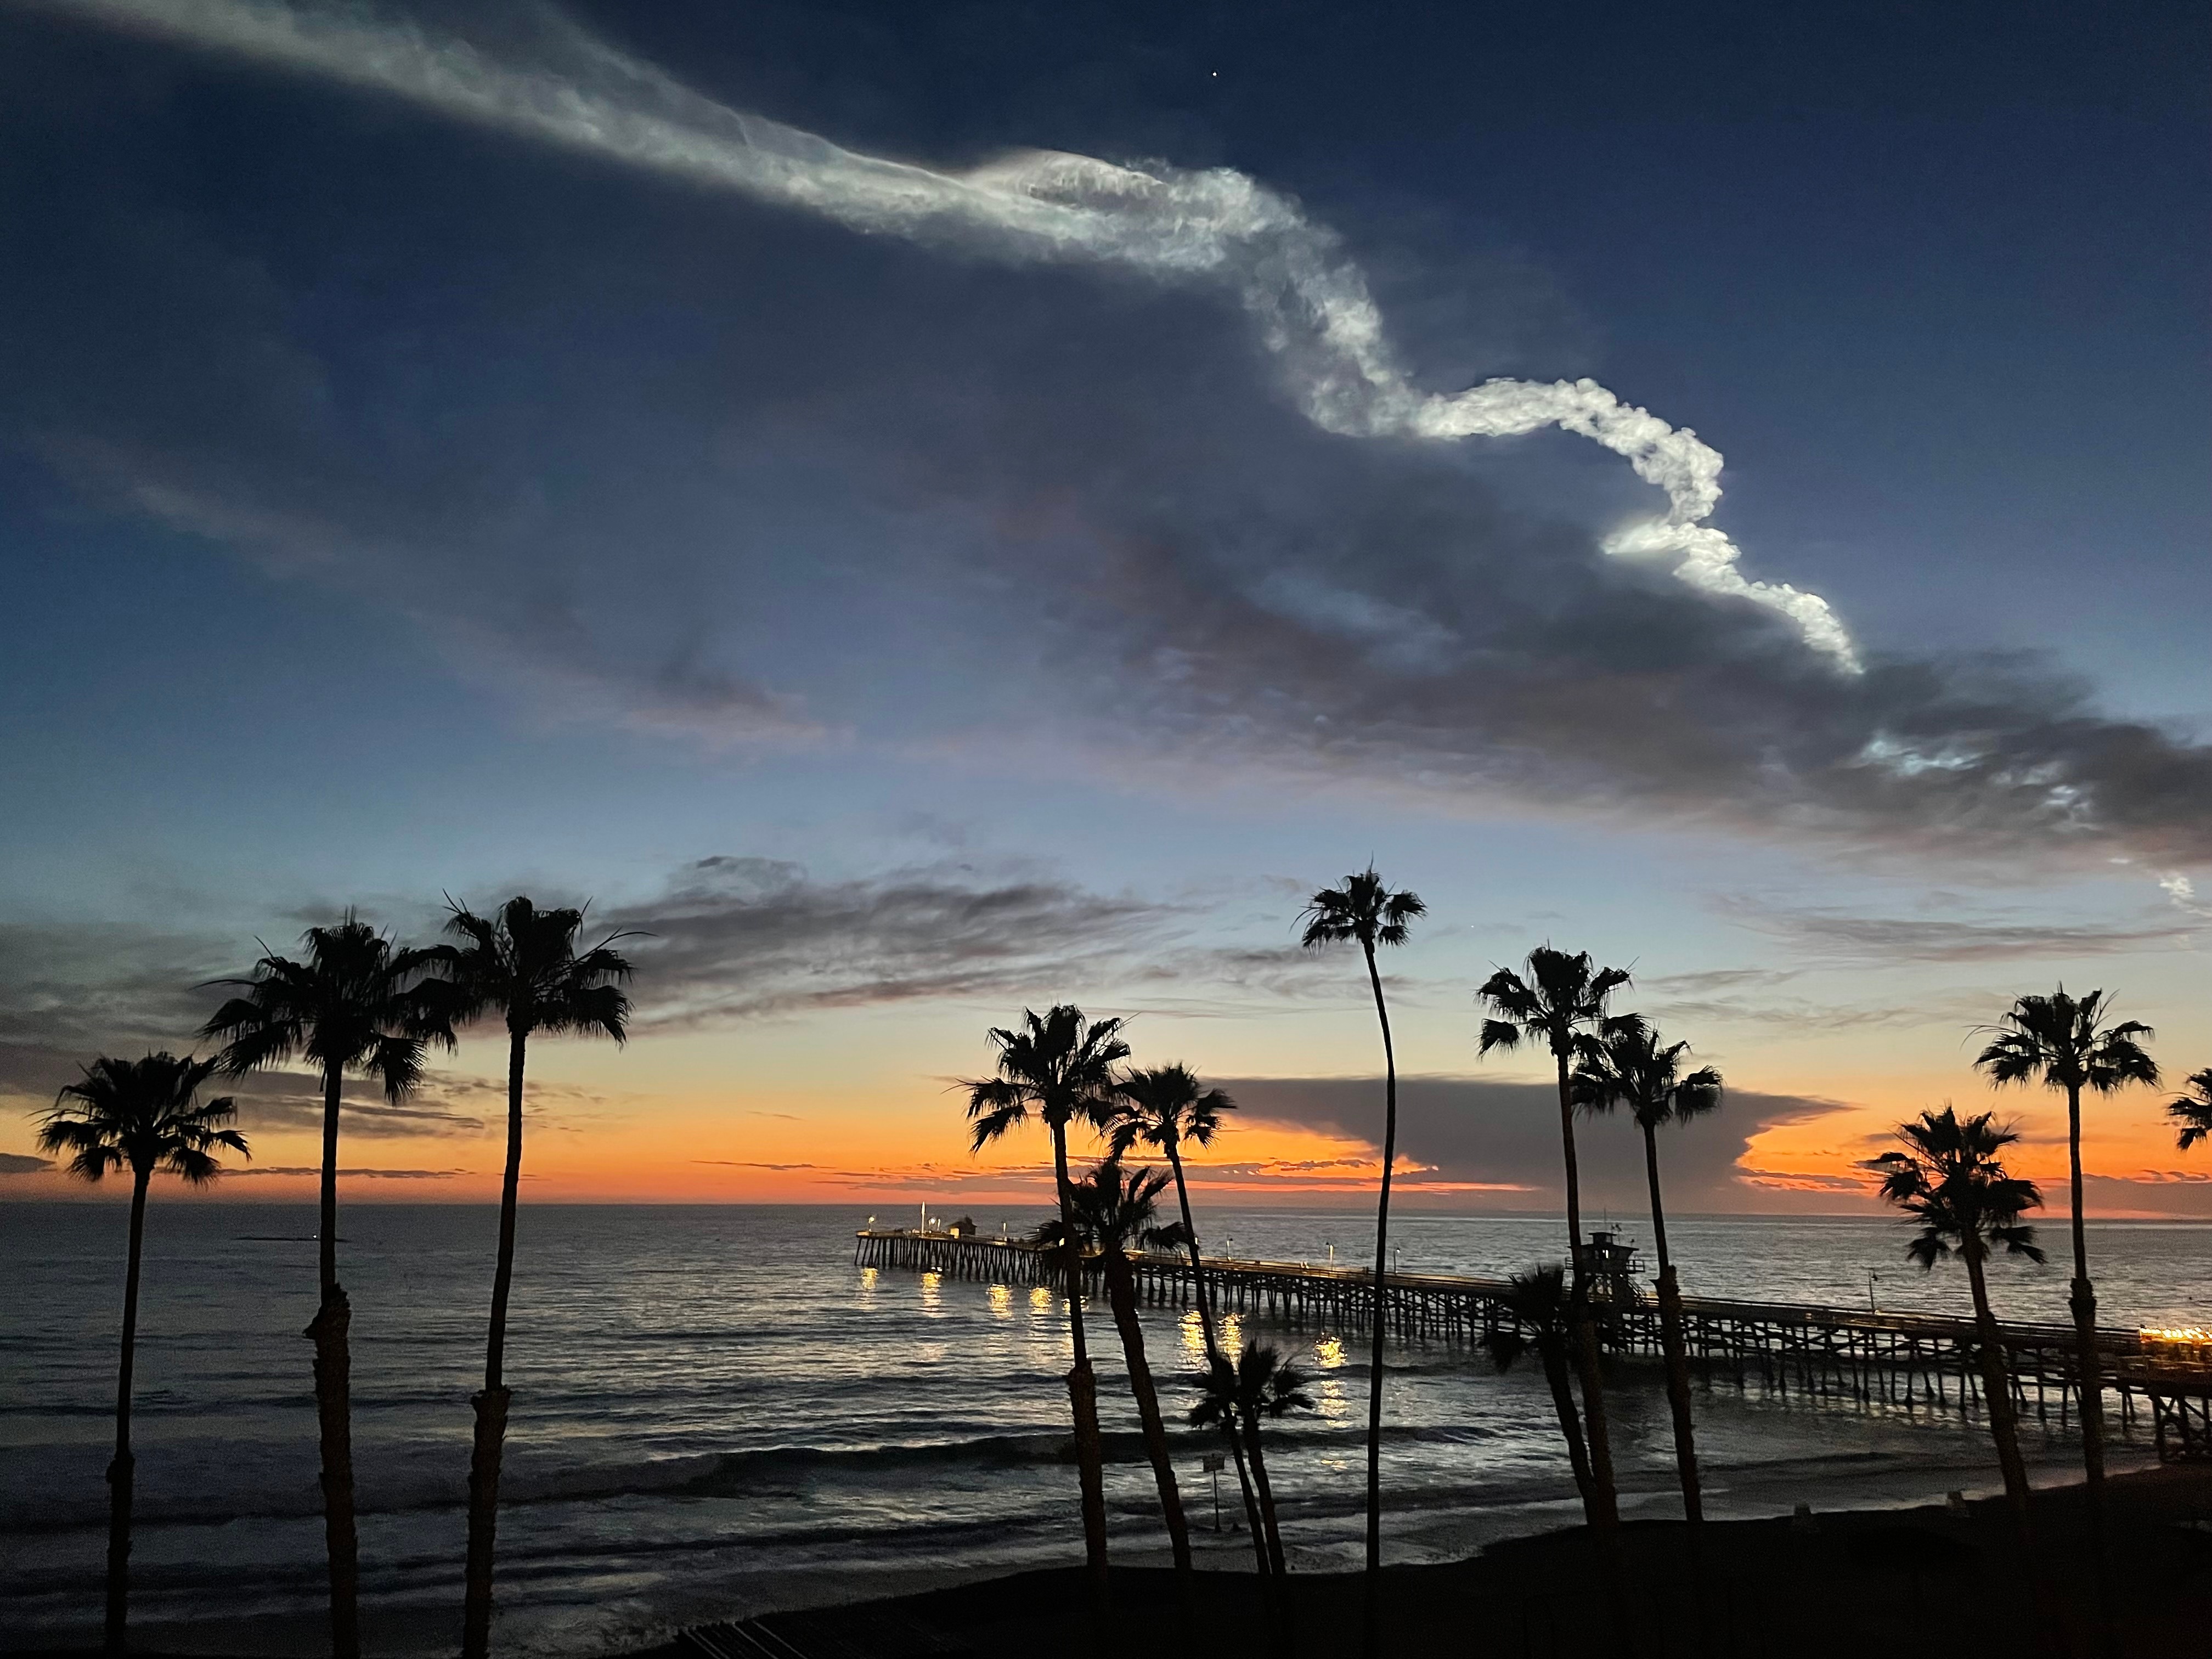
<point>857,451</point>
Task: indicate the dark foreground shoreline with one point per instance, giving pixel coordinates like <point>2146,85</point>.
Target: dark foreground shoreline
<point>1858,1583</point>
<point>1847,1583</point>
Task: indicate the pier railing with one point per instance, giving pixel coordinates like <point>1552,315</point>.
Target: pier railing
<point>1916,1361</point>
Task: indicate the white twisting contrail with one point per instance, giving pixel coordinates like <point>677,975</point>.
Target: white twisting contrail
<point>1310,302</point>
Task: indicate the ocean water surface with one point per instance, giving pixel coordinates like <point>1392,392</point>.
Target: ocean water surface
<point>716,1412</point>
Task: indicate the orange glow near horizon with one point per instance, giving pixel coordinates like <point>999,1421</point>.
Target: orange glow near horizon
<point>896,1147</point>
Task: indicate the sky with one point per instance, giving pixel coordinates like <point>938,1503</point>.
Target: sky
<point>925,512</point>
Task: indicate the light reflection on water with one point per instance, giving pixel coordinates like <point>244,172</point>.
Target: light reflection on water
<point>706,1394</point>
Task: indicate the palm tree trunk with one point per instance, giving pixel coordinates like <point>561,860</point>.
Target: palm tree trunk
<point>1252,1518</point>
<point>1082,1383</point>
<point>124,1465</point>
<point>329,1332</point>
<point>1997,1383</point>
<point>1605,1510</point>
<point>2082,1298</point>
<point>1671,1343</point>
<point>1197,1260</point>
<point>491,1404</point>
<point>1275,1558</point>
<point>1571,1427</point>
<point>1122,1296</point>
<point>1573,1171</point>
<point>1381,1310</point>
<point>1212,1342</point>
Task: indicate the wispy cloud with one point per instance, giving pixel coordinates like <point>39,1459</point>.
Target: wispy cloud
<point>740,937</point>
<point>296,1169</point>
<point>1312,585</point>
<point>1840,936</point>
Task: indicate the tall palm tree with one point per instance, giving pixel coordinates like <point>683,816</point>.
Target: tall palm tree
<point>2067,1043</point>
<point>1540,1306</point>
<point>1628,1068</point>
<point>1061,1068</point>
<point>2191,1111</point>
<point>1116,1210</point>
<point>357,1003</point>
<point>522,964</point>
<point>1257,1386</point>
<point>143,1115</point>
<point>1362,909</point>
<point>1949,1176</point>
<point>1166,1107</point>
<point>1562,1004</point>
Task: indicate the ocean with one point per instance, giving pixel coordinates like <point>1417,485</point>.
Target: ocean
<point>717,1413</point>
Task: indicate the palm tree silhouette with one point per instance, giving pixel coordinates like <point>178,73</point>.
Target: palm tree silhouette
<point>143,1115</point>
<point>1562,1004</point>
<point>1166,1107</point>
<point>1115,1210</point>
<point>1948,1176</point>
<point>1257,1385</point>
<point>2191,1111</point>
<point>1062,1068</point>
<point>2066,1043</point>
<point>1361,908</point>
<point>1542,1324</point>
<point>1628,1068</point>
<point>522,964</point>
<point>358,1004</point>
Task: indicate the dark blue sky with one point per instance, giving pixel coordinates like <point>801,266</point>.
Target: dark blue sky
<point>406,486</point>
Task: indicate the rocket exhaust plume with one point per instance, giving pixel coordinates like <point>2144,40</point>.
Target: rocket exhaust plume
<point>1309,302</point>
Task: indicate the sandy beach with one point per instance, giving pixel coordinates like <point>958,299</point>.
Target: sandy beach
<point>1847,1583</point>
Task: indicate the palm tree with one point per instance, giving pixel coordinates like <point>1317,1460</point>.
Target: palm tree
<point>1062,1068</point>
<point>1166,1106</point>
<point>522,964</point>
<point>2191,1112</point>
<point>1361,908</point>
<point>1115,1210</point>
<point>1540,1306</point>
<point>2067,1044</point>
<point>356,1004</point>
<point>1258,1385</point>
<point>1948,1176</point>
<point>1628,1068</point>
<point>143,1115</point>
<point>1562,1004</point>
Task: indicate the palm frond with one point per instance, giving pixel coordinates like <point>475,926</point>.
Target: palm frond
<point>1361,907</point>
<point>143,1115</point>
<point>2191,1111</point>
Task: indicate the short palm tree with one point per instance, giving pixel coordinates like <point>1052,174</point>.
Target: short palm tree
<point>1948,1175</point>
<point>1117,1211</point>
<point>1059,1068</point>
<point>1628,1067</point>
<point>1257,1386</point>
<point>521,964</point>
<point>1562,1003</point>
<point>1361,909</point>
<point>358,1003</point>
<point>1167,1107</point>
<point>1540,1306</point>
<point>146,1117</point>
<point>2191,1111</point>
<point>2067,1043</point>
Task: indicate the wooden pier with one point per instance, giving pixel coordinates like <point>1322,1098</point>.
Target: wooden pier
<point>1908,1361</point>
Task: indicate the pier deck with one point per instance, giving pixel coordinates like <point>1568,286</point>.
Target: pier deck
<point>1847,1356</point>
